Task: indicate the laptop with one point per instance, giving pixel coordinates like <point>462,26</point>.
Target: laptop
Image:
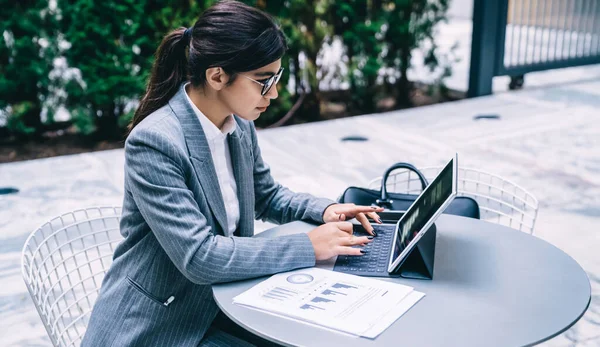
<point>394,242</point>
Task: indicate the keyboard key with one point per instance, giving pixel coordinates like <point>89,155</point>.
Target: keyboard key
<point>377,258</point>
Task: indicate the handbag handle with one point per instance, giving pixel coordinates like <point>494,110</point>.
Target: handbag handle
<point>384,200</point>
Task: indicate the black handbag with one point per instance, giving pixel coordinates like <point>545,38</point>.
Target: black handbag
<point>460,206</point>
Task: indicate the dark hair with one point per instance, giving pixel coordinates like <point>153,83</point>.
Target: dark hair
<point>230,35</point>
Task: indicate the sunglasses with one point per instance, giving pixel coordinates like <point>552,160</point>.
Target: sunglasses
<point>268,83</point>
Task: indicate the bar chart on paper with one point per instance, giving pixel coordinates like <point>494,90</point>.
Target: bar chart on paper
<point>317,303</point>
<point>329,292</point>
<point>342,286</point>
<point>342,302</point>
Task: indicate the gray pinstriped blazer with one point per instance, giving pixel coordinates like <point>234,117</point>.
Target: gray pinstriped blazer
<point>158,289</point>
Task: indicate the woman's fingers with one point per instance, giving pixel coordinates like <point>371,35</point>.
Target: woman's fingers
<point>369,209</point>
<point>365,223</point>
<point>355,241</point>
<point>346,227</point>
<point>352,211</point>
<point>366,209</point>
<point>345,250</point>
<point>346,241</point>
<point>374,216</point>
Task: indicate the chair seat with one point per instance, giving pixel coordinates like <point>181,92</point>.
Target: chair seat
<point>63,264</point>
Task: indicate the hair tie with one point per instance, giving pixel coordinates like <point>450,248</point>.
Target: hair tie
<point>187,35</point>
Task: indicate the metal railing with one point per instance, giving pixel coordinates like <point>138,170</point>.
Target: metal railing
<point>515,37</point>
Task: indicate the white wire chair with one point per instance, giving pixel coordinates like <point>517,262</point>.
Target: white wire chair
<point>63,263</point>
<point>500,201</point>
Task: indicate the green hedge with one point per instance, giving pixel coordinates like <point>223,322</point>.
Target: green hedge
<point>109,45</point>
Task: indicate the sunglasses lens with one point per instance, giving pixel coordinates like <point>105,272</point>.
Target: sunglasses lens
<point>271,81</point>
<point>268,85</point>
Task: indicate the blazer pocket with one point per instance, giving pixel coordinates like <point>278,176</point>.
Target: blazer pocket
<point>149,295</point>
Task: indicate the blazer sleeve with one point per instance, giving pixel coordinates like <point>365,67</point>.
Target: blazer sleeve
<point>157,181</point>
<point>275,203</point>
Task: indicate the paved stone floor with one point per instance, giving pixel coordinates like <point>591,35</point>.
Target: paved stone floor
<point>546,140</point>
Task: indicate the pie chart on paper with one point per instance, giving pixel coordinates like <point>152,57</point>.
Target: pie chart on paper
<point>300,278</point>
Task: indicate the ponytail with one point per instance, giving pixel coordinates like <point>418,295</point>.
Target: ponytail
<point>230,35</point>
<point>168,72</point>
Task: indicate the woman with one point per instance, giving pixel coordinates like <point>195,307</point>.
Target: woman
<point>195,181</point>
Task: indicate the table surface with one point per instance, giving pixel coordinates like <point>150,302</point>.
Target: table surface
<point>492,285</point>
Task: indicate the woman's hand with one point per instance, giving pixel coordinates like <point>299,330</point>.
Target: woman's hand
<point>342,212</point>
<point>334,239</point>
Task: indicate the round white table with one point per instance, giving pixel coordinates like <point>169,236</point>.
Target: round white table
<point>492,286</point>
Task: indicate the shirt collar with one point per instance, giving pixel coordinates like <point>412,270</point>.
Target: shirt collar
<point>210,129</point>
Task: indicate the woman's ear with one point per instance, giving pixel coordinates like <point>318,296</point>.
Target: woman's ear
<point>216,78</point>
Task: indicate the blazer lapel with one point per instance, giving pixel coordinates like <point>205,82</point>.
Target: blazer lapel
<point>241,160</point>
<point>200,155</point>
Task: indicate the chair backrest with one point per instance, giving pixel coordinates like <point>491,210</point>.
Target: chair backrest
<point>63,264</point>
<point>500,200</point>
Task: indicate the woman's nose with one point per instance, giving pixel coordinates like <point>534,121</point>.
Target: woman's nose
<point>272,94</point>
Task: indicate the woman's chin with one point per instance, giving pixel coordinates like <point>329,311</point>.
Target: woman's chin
<point>252,116</point>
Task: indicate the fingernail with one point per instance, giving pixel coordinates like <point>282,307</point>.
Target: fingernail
<point>374,207</point>
<point>363,251</point>
<point>379,221</point>
<point>370,237</point>
<point>340,217</point>
<point>374,233</point>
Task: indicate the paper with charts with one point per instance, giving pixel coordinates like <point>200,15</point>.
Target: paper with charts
<point>355,305</point>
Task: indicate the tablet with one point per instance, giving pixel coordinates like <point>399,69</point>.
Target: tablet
<point>423,212</point>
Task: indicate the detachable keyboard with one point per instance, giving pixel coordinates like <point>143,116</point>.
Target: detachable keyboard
<point>375,262</point>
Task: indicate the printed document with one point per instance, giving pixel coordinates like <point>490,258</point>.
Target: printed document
<point>354,305</point>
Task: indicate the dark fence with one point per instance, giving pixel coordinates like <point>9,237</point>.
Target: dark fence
<point>514,37</point>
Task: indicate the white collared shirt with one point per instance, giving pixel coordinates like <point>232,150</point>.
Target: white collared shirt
<point>219,149</point>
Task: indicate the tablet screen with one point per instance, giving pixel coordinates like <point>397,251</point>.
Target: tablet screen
<point>423,209</point>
